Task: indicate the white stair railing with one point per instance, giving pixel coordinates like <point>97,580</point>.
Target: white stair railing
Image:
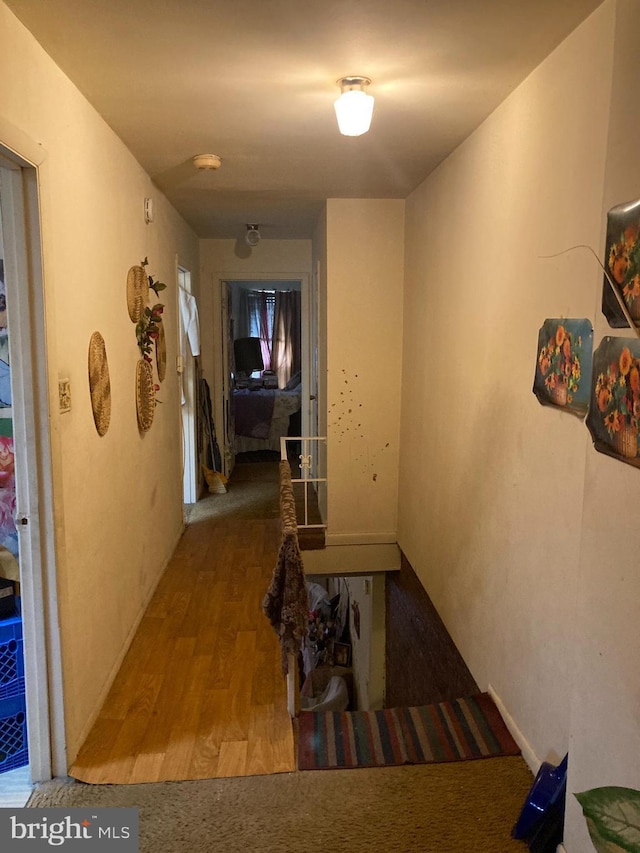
<point>309,468</point>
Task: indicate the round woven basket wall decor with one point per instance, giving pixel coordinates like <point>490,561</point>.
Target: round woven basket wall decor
<point>161,352</point>
<point>99,383</point>
<point>145,395</point>
<point>137,292</point>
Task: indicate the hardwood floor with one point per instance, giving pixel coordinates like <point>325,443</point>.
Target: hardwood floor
<point>200,693</point>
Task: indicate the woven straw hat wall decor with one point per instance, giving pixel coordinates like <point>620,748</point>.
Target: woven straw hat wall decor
<point>150,336</point>
<point>99,383</point>
<point>145,395</point>
<point>161,353</point>
<point>137,292</point>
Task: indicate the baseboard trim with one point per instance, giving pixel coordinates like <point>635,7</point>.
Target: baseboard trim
<point>352,559</point>
<point>362,538</point>
<point>533,762</point>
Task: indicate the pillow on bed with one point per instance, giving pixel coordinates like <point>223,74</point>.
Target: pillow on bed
<point>293,383</point>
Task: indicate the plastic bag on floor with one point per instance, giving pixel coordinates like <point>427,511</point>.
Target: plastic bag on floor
<point>335,697</point>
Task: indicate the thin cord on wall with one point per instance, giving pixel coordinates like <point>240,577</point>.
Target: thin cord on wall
<point>614,287</point>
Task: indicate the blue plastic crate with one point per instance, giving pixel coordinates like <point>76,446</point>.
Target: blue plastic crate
<point>11,657</point>
<point>14,750</point>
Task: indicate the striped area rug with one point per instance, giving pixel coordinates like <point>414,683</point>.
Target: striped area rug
<point>449,731</point>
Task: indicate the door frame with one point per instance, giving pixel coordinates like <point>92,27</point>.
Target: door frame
<point>309,381</point>
<point>188,409</point>
<point>20,198</point>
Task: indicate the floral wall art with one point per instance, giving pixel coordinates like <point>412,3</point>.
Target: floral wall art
<point>563,364</point>
<point>614,410</point>
<point>622,262</point>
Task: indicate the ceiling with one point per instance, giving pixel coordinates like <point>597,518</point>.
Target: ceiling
<point>253,81</point>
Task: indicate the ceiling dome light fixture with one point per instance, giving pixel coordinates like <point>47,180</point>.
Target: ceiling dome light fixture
<point>207,161</point>
<point>252,237</point>
<point>354,107</point>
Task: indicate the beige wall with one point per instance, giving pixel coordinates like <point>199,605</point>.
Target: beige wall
<point>605,720</point>
<point>491,483</point>
<point>118,498</point>
<point>364,350</point>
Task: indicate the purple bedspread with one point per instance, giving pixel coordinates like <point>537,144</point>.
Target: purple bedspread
<point>253,412</point>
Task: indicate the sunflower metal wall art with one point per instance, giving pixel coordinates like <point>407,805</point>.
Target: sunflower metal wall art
<point>622,262</point>
<point>614,408</point>
<point>563,365</point>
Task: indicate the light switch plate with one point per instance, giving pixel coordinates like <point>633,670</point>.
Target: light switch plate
<point>64,395</point>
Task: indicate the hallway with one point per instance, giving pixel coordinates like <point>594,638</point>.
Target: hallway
<point>200,693</point>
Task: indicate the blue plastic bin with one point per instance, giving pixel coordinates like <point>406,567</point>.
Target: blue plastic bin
<point>11,657</point>
<point>14,750</point>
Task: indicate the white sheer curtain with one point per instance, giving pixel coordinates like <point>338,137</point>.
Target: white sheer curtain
<point>256,312</point>
<point>261,305</point>
<point>286,350</point>
<point>274,317</point>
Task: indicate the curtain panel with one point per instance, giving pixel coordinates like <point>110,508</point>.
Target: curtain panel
<point>274,317</point>
<point>286,349</point>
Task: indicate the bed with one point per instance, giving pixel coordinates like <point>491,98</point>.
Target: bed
<point>262,416</point>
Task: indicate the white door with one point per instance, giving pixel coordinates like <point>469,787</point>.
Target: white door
<point>312,313</point>
<point>228,424</point>
<point>33,488</point>
<point>189,406</point>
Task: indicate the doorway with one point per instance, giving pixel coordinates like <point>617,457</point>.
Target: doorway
<point>26,522</point>
<point>249,311</point>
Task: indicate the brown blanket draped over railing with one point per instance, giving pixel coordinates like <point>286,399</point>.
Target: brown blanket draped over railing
<point>285,604</point>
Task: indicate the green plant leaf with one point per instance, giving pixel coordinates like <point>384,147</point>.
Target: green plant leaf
<point>613,817</point>
<point>601,845</point>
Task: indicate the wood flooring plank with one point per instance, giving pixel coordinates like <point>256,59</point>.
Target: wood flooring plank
<point>124,749</point>
<point>147,767</point>
<point>237,583</point>
<point>254,592</point>
<point>219,553</point>
<point>257,542</point>
<point>263,683</point>
<point>260,751</point>
<point>232,760</point>
<point>122,692</point>
<point>236,727</point>
<point>183,735</point>
<point>222,663</point>
<point>155,738</point>
<point>200,605</point>
<point>95,750</point>
<point>204,759</point>
<point>194,542</point>
<point>210,626</point>
<point>270,745</point>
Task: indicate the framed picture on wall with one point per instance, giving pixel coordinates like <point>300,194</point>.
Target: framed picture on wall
<point>342,654</point>
<point>563,365</point>
<point>614,409</point>
<point>622,263</point>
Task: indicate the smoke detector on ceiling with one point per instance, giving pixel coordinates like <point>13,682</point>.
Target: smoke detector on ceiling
<point>252,237</point>
<point>207,161</point>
